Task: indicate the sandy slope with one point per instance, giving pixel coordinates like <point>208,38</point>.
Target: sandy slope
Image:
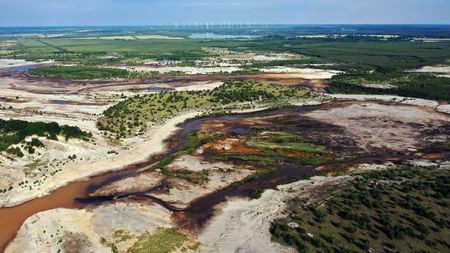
<point>243,225</point>
<point>138,151</point>
<point>389,98</point>
<point>306,73</point>
<point>64,229</point>
<point>440,70</point>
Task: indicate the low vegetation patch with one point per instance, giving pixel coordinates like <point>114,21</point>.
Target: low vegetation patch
<point>265,147</point>
<point>132,115</point>
<point>421,85</point>
<point>95,73</point>
<point>163,240</point>
<point>79,72</point>
<point>404,209</point>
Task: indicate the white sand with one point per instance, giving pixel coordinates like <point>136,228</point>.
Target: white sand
<point>387,98</point>
<point>87,226</point>
<point>8,63</point>
<point>200,86</point>
<point>243,225</point>
<point>153,143</point>
<point>306,73</point>
<point>373,125</point>
<point>440,70</point>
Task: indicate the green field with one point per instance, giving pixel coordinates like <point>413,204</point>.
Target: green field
<point>100,51</point>
<point>359,57</point>
<point>360,54</point>
<point>404,209</point>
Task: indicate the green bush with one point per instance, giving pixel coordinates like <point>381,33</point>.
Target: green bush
<point>15,131</point>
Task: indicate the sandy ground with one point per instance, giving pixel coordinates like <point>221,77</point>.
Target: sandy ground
<point>183,192</point>
<point>378,126</point>
<point>389,98</point>
<point>8,63</point>
<point>243,225</point>
<point>71,230</point>
<point>443,108</point>
<point>71,109</point>
<point>140,183</point>
<point>220,175</point>
<point>306,73</point>
<point>137,151</point>
<point>200,86</point>
<point>440,70</point>
<point>62,229</point>
<point>229,58</point>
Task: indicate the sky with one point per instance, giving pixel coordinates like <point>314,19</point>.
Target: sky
<point>169,12</point>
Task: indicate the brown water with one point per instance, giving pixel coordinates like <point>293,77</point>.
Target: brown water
<point>11,218</point>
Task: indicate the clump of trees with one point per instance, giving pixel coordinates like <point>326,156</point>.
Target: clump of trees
<point>79,72</point>
<point>420,85</point>
<point>375,211</point>
<point>15,131</point>
<point>134,113</point>
<point>93,73</point>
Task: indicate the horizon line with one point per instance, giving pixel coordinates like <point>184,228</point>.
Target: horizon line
<point>194,24</point>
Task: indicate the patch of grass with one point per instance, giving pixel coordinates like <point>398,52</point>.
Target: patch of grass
<point>163,240</point>
<point>32,166</point>
<point>122,235</point>
<point>195,177</point>
<point>192,142</point>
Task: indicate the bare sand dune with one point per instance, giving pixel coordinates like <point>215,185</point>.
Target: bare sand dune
<point>378,126</point>
<point>306,73</point>
<point>440,70</point>
<point>83,230</point>
<point>243,225</point>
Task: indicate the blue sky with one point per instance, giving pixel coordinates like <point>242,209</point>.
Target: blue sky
<point>157,12</point>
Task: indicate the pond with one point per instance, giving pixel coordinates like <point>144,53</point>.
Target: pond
<point>21,68</point>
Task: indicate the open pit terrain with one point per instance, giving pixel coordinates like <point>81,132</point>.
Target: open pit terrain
<point>269,140</point>
<point>222,172</point>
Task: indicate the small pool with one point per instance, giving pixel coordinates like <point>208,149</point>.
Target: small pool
<point>157,89</point>
<point>21,68</point>
<point>60,102</point>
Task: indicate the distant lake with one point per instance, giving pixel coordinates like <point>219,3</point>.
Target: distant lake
<point>220,36</point>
